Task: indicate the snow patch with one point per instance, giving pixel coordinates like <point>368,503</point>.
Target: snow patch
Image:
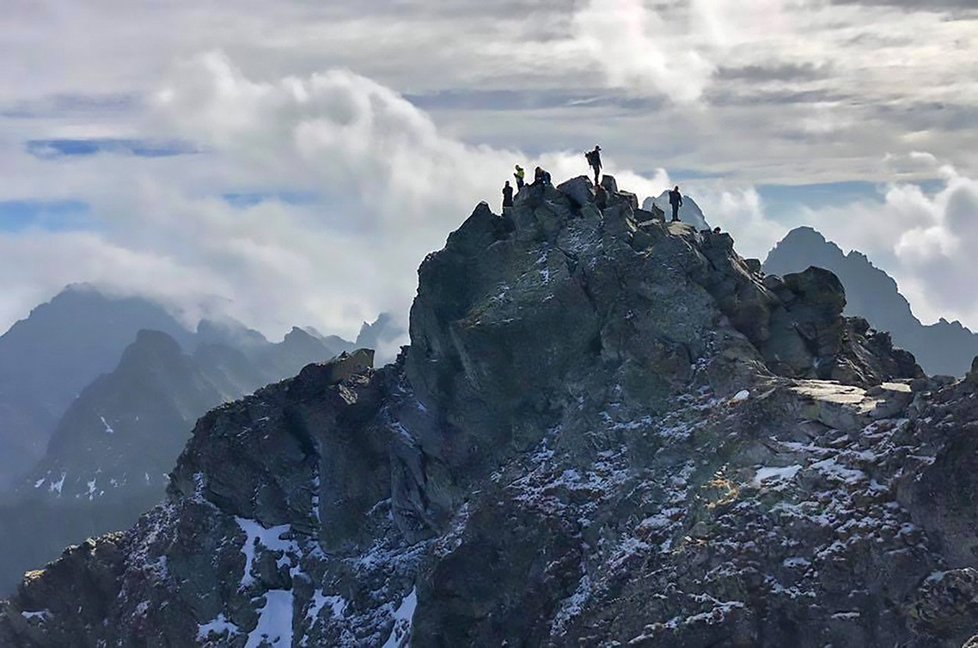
<point>830,468</point>
<point>55,487</point>
<point>220,626</point>
<point>775,474</point>
<point>741,396</point>
<point>41,615</point>
<point>796,562</point>
<point>403,618</point>
<point>572,606</point>
<point>108,428</point>
<point>337,605</point>
<point>274,621</point>
<point>270,539</point>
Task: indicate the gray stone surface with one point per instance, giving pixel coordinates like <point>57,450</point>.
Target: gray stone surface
<point>600,435</point>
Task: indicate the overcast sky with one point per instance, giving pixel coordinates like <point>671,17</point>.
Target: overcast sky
<point>292,162</point>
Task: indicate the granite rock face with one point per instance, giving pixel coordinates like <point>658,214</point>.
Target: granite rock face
<point>607,430</point>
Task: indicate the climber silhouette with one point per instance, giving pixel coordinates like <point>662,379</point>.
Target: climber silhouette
<point>675,199</point>
<point>594,160</point>
<point>507,196</point>
<point>520,176</point>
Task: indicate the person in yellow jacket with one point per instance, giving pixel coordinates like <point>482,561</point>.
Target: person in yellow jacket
<point>519,175</point>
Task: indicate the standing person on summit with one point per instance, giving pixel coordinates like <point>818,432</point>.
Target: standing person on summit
<point>675,199</point>
<point>537,176</point>
<point>594,160</point>
<point>520,176</point>
<point>507,196</point>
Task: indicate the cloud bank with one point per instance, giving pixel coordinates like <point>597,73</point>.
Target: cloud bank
<point>285,178</point>
<point>307,200</point>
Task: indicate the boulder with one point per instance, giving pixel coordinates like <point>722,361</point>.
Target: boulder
<point>629,198</point>
<point>946,605</point>
<point>579,190</point>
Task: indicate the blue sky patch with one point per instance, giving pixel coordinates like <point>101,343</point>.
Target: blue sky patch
<point>46,149</point>
<point>785,201</point>
<point>66,104</point>
<point>243,200</point>
<point>51,215</point>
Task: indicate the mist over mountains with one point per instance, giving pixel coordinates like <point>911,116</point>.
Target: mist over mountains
<point>107,457</point>
<point>47,358</point>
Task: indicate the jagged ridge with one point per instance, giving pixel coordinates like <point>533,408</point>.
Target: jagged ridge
<point>601,431</point>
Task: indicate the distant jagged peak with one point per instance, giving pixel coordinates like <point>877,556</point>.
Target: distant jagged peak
<point>155,342</point>
<point>689,211</point>
<point>228,331</point>
<point>805,233</point>
<point>383,330</point>
<point>808,238</point>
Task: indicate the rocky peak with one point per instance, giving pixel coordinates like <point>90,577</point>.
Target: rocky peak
<point>150,347</point>
<point>941,348</point>
<point>47,358</point>
<point>606,428</point>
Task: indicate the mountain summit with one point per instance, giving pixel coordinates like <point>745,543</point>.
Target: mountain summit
<point>47,358</point>
<point>601,432</point>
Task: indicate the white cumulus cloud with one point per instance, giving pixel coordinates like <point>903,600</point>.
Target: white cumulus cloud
<point>312,201</point>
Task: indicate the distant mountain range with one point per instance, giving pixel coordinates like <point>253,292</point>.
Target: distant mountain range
<point>108,457</point>
<point>943,348</point>
<point>49,357</point>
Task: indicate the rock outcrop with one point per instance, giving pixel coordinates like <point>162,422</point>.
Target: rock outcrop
<point>108,460</point>
<point>607,430</point>
<point>941,348</point>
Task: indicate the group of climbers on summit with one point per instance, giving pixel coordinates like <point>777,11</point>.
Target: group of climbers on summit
<point>593,157</point>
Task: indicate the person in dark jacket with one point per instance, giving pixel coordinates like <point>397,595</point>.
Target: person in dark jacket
<point>538,176</point>
<point>676,200</point>
<point>507,196</point>
<point>594,160</point>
